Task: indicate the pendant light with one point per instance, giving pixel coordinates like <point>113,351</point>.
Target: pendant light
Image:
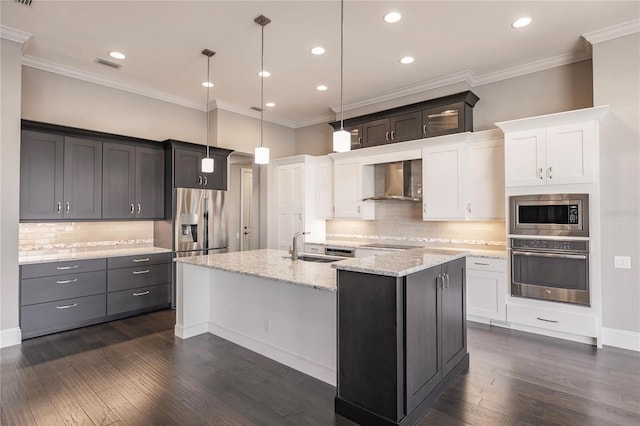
<point>207,162</point>
<point>341,138</point>
<point>262,152</point>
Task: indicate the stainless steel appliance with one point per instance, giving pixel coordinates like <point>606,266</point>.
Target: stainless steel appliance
<point>549,214</point>
<point>550,269</point>
<point>398,180</point>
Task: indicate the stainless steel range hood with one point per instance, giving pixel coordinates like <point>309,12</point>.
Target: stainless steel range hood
<point>400,180</point>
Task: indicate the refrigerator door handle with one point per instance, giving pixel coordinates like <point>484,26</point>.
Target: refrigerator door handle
<point>205,234</point>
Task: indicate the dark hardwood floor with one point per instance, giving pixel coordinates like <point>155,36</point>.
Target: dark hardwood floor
<point>135,372</point>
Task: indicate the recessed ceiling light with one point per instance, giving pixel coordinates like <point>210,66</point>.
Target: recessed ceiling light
<point>392,17</point>
<point>521,22</point>
<point>270,104</point>
<point>406,60</point>
<point>207,84</point>
<point>117,55</point>
<point>321,88</point>
<point>318,50</point>
<point>264,73</point>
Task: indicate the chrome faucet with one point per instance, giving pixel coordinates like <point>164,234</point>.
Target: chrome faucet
<point>294,250</point>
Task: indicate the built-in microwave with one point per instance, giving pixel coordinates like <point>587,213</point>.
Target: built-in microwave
<point>549,214</point>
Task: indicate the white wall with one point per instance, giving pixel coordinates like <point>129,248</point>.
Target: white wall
<point>10,76</point>
<point>314,140</point>
<point>616,81</point>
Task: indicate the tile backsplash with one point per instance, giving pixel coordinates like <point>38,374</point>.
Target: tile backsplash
<point>38,239</point>
<point>402,221</point>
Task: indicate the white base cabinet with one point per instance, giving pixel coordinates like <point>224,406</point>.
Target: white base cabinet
<point>486,288</point>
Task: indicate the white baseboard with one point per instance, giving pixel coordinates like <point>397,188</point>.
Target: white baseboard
<point>192,330</point>
<point>297,362</point>
<point>10,337</point>
<point>621,339</point>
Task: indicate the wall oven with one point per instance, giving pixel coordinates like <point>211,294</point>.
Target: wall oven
<point>555,270</point>
<point>549,214</point>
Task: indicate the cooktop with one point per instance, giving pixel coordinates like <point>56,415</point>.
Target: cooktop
<point>391,246</point>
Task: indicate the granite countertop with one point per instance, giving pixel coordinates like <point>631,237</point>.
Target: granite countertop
<point>78,254</point>
<point>270,264</point>
<point>401,263</point>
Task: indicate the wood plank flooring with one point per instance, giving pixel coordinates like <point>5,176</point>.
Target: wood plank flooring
<point>135,372</point>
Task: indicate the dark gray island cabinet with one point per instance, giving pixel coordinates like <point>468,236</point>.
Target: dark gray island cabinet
<point>401,339</point>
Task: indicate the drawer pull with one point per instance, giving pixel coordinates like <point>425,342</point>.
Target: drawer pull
<point>146,259</point>
<point>64,268</point>
<point>142,293</point>
<point>547,320</point>
<point>146,271</point>
<point>67,306</point>
<point>67,281</point>
<point>481,264</point>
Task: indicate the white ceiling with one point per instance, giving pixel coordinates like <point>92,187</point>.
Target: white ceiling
<point>472,40</point>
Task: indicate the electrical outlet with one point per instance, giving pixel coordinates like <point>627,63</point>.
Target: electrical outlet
<point>623,262</point>
<point>267,326</point>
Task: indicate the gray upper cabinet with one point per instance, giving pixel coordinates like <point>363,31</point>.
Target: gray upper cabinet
<point>133,182</point>
<point>60,177</point>
<point>187,167</point>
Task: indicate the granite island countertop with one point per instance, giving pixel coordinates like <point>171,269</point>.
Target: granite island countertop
<point>271,264</point>
<point>402,262</point>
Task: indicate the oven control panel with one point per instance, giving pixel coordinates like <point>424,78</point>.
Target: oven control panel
<point>550,245</point>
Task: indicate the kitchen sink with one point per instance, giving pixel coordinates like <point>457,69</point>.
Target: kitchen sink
<point>318,258</point>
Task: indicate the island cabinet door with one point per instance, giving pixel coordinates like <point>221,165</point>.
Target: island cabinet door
<point>370,345</point>
<point>454,330</point>
<point>423,355</point>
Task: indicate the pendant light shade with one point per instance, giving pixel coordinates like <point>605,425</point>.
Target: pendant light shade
<point>261,155</point>
<point>207,164</point>
<point>341,138</point>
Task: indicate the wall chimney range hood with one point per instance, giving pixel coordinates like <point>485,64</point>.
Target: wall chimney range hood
<point>399,180</point>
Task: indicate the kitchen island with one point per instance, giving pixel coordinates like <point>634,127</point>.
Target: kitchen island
<point>284,309</point>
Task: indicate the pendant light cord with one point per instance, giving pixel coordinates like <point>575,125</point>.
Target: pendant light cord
<point>261,85</point>
<point>208,90</point>
<point>341,64</point>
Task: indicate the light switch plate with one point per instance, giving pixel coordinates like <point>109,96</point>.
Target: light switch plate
<point>623,262</point>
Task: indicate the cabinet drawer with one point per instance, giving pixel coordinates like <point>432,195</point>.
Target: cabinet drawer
<point>314,248</point>
<point>138,260</point>
<point>62,268</point>
<point>136,299</point>
<point>486,264</point>
<point>141,276</point>
<point>48,289</point>
<point>62,313</point>
<point>565,322</point>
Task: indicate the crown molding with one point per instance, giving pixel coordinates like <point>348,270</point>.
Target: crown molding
<point>323,119</point>
<point>248,112</point>
<point>56,68</point>
<point>14,34</point>
<point>613,32</point>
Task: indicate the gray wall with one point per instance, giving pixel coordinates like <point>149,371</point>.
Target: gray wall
<point>616,81</point>
<point>10,76</point>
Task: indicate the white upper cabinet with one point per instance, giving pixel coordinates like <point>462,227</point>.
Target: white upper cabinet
<point>485,180</point>
<point>348,190</point>
<point>324,188</point>
<point>443,182</point>
<point>555,149</point>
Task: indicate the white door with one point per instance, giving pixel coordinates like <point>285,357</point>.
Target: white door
<point>485,180</point>
<point>525,158</point>
<point>570,153</point>
<point>443,182</point>
<point>289,203</point>
<point>246,209</point>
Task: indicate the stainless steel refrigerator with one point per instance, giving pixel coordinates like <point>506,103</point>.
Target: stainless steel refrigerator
<point>198,226</point>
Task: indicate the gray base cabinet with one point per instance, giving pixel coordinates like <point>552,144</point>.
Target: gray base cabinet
<point>401,340</point>
<point>58,296</point>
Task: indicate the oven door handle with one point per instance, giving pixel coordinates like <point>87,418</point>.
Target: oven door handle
<point>556,255</point>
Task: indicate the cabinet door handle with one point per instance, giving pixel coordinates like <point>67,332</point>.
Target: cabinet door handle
<point>446,280</point>
<point>131,208</point>
<point>145,259</point>
<point>146,271</point>
<point>199,180</point>
<point>59,207</point>
<point>358,209</point>
<point>540,173</point>
<point>424,129</point>
<point>139,208</point>
<point>68,207</point>
<point>550,172</point>
<point>67,306</point>
<point>386,136</point>
<point>205,181</point>
<point>64,268</point>
<point>359,140</point>
<point>393,134</point>
<point>481,264</point>
<point>439,282</point>
<point>67,281</point>
<point>424,208</point>
<point>547,320</point>
<point>469,207</point>
<point>142,293</point>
